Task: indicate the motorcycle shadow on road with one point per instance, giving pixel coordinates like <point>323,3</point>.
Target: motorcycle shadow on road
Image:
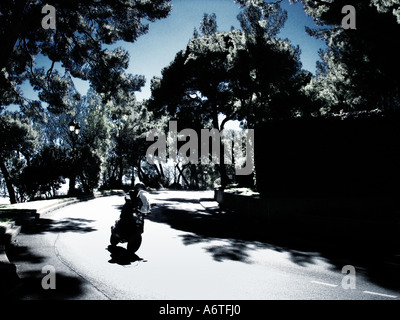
<point>120,255</point>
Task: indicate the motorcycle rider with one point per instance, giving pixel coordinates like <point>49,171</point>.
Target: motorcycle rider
<point>127,225</point>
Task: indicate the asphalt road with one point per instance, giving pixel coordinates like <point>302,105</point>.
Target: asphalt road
<point>190,251</point>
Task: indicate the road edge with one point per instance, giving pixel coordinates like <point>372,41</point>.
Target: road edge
<point>10,281</point>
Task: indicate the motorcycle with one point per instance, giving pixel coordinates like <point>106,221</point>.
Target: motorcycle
<point>130,227</point>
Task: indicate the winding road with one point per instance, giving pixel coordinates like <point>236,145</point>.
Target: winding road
<point>190,250</point>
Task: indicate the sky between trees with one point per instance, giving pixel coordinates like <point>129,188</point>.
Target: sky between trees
<point>251,73</point>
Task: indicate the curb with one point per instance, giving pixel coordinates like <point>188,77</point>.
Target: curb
<point>54,207</point>
<point>8,233</point>
<point>209,204</point>
<point>10,281</point>
<point>69,201</point>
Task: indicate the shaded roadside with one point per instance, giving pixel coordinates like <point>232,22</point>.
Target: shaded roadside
<point>377,258</point>
<point>31,253</point>
<point>25,248</point>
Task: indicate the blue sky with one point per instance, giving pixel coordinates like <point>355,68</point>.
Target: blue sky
<point>156,49</point>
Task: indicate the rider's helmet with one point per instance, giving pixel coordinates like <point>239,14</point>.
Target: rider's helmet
<point>139,186</point>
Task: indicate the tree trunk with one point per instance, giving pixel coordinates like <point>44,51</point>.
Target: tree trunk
<point>221,167</point>
<point>161,170</point>
<point>222,171</point>
<point>140,172</point>
<point>182,175</point>
<point>121,170</point>
<point>194,176</point>
<point>72,182</point>
<point>133,177</point>
<point>85,186</point>
<point>10,188</point>
<point>142,175</point>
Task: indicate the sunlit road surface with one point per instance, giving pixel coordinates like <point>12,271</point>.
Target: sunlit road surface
<point>177,263</point>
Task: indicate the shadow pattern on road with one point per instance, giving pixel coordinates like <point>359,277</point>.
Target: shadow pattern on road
<point>66,225</point>
<point>240,233</point>
<point>29,286</point>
